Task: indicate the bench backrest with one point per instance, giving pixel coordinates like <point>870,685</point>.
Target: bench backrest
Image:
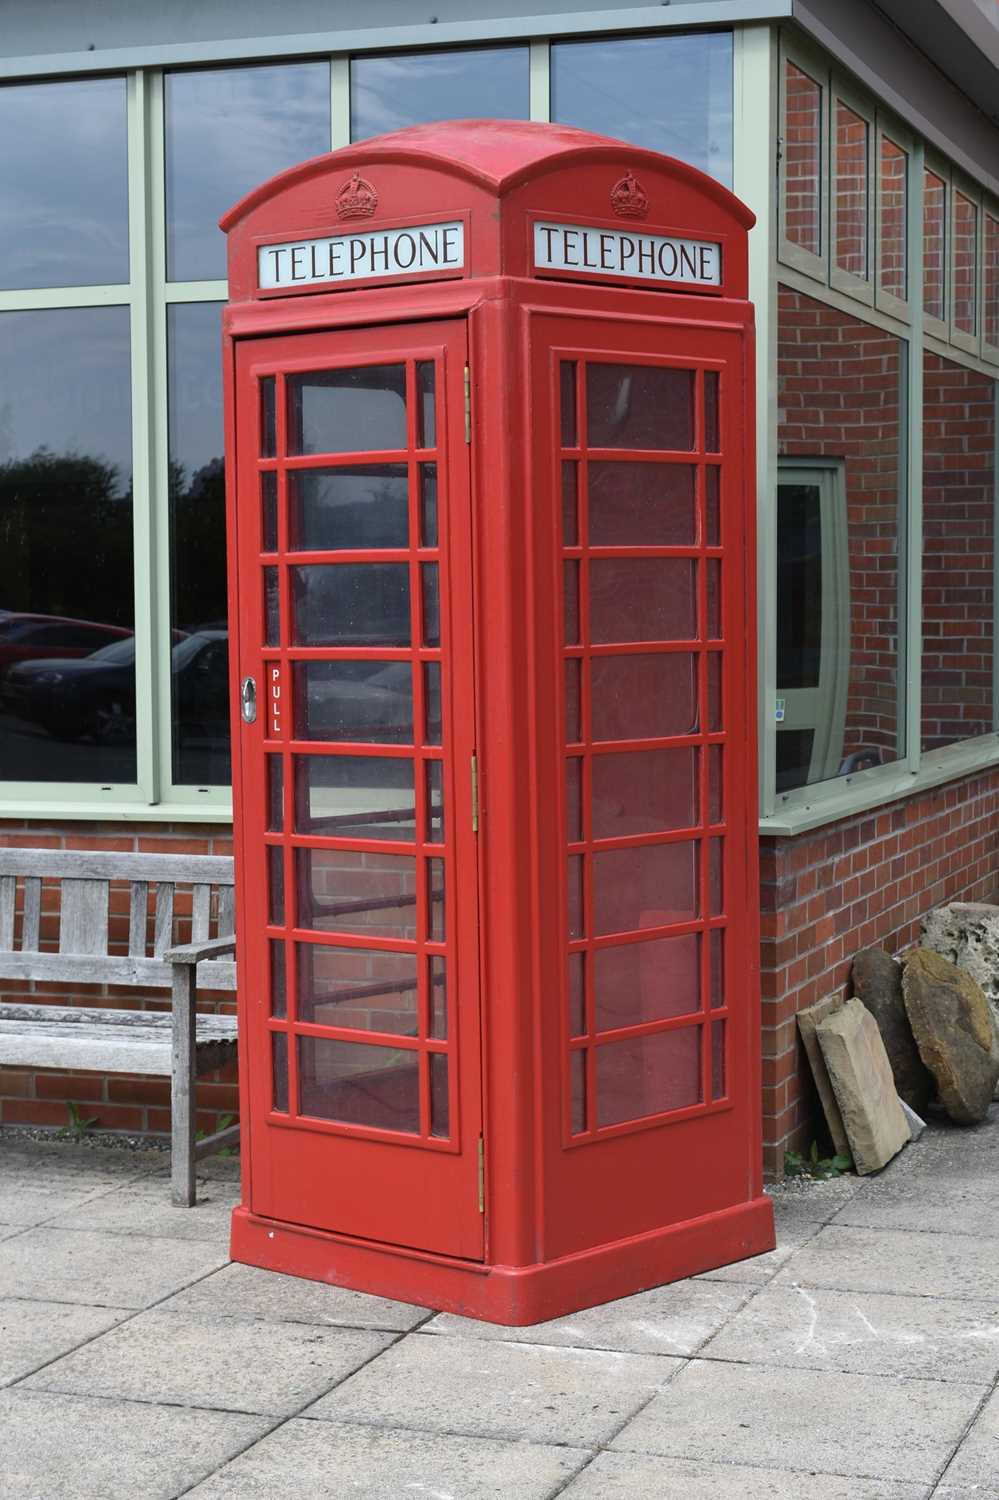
<point>85,933</point>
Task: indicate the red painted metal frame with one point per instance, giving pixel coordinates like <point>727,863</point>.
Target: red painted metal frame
<point>568,1221</point>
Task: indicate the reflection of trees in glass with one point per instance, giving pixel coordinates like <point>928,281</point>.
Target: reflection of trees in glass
<point>197,509</point>
<point>66,537</point>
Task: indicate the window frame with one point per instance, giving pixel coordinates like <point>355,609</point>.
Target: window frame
<point>990,210</point>
<point>811,63</point>
<point>898,307</point>
<point>861,287</point>
<point>959,337</point>
<point>938,327</point>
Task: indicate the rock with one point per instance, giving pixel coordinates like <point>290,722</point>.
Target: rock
<point>916,1124</point>
<point>862,1080</point>
<point>967,933</point>
<point>877,981</point>
<point>808,1019</point>
<point>952,1023</point>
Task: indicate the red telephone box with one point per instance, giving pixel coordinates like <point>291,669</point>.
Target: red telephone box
<point>490,430</point>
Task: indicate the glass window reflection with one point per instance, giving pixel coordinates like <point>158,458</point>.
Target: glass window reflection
<point>669,93</point>
<point>67,651</point>
<point>198,615</point>
<point>226,130</point>
<point>412,88</point>
<point>64,184</point>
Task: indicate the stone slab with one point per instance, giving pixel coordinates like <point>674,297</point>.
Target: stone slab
<point>31,1333</point>
<point>908,1264</point>
<point>974,1470</point>
<point>102,1270</point>
<point>327,1461</point>
<point>26,1202</point>
<point>808,1020</point>
<point>145,1208</point>
<point>636,1476</point>
<point>249,1292</point>
<point>57,1446</point>
<point>675,1319</point>
<point>792,1233</point>
<point>929,1203</point>
<point>864,1333</point>
<point>877,983</point>
<point>823,1422</point>
<point>225,1363</point>
<point>864,1085</point>
<point>523,1392</point>
<point>915,1122</point>
<point>967,933</point>
<point>955,1034</point>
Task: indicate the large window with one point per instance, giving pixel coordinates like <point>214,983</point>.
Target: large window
<point>412,88</point>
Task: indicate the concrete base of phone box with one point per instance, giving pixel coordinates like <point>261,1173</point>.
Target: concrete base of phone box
<point>512,1295</point>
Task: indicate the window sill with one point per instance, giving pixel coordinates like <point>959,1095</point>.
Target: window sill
<point>121,812</point>
<point>831,803</point>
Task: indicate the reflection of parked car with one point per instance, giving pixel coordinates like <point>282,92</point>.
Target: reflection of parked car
<point>30,637</point>
<point>95,696</point>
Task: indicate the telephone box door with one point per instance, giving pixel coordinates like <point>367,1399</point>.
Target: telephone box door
<point>357,743</point>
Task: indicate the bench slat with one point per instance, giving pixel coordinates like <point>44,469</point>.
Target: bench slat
<point>46,1036</point>
<point>32,916</point>
<point>138,912</point>
<point>82,864</point>
<point>227,911</point>
<point>163,936</point>
<point>201,912</point>
<point>83,920</point>
<point>153,973</point>
<point>8,895</point>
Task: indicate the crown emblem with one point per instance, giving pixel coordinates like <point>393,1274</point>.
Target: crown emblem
<point>357,199</point>
<point>628,198</point>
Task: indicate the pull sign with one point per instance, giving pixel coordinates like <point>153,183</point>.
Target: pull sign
<point>358,257</point>
<point>612,252</point>
<point>275,701</point>
<point>248,700</point>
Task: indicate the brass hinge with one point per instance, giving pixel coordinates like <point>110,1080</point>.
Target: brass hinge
<point>475,793</point>
<point>468,405</point>
<point>482,1177</point>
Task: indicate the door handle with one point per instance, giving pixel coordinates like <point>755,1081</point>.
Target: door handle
<point>248,700</point>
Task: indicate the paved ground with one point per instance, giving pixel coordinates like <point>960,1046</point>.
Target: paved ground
<point>859,1361</point>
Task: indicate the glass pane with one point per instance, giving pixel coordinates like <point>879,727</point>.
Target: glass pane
<point>643,696</point>
<point>648,1074</point>
<point>426,411</point>
<point>438,996</point>
<point>718,1088</point>
<point>639,406</point>
<point>640,982</point>
<point>67,649</point>
<point>642,505</point>
<point>268,417</point>
<point>355,796</point>
<point>275,781</point>
<point>570,574</point>
<point>645,791</point>
<point>269,509</point>
<point>714,691</point>
<point>573,800</point>
<point>577,994</point>
<point>279,984</point>
<point>63,184</point>
<point>227,129</point>
<point>716,892</point>
<point>934,244</point>
<point>573,706</point>
<point>435,802</point>
<point>893,187</point>
<point>400,89</point>
<point>715,784</point>
<point>366,702</point>
<point>570,505</point>
<point>959,457</point>
<point>652,886</point>
<point>669,93</point>
<point>712,438</point>
<point>431,604</point>
<point>712,575</point>
<point>799,590</point>
<point>432,702</point>
<point>358,989</point>
<point>852,169</point>
<point>343,890</point>
<point>567,399</point>
<point>358,410</point>
<point>439,1112</point>
<point>198,602</point>
<point>428,505</point>
<point>717,975</point>
<point>275,878</point>
<point>435,901</point>
<point>272,608</point>
<point>279,1070</point>
<point>802,159</point>
<point>965,264</point>
<point>359,1085</point>
<point>643,599</point>
<point>355,507</point>
<point>990,328</point>
<point>577,1087</point>
<point>712,504</point>
<point>351,604</point>
<point>575,879</point>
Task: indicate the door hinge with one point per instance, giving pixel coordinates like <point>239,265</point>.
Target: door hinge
<point>482,1176</point>
<point>468,405</point>
<point>475,793</point>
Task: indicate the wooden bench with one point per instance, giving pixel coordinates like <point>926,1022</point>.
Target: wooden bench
<point>85,949</point>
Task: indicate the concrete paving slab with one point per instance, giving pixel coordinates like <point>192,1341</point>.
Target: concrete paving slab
<point>864,1332</point>
<point>792,1233</point>
<point>502,1390</point>
<point>145,1208</point>
<point>919,1265</point>
<point>248,1292</point>
<point>974,1471</point>
<point>967,1205</point>
<point>331,1462</point>
<point>666,1320</point>
<point>58,1446</point>
<point>818,1422</point>
<point>26,1203</point>
<point>102,1270</point>
<point>799,1200</point>
<point>223,1363</point>
<point>6,1230</point>
<point>636,1476</point>
<point>32,1333</point>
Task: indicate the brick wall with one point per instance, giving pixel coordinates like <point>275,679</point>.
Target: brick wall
<point>827,894</point>
<point>121,1102</point>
